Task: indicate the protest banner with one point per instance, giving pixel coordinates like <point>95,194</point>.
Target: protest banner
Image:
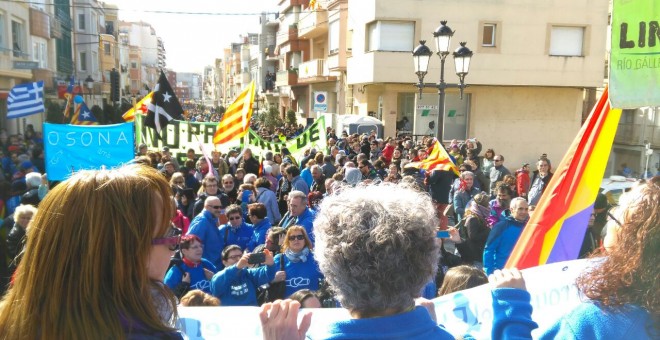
<point>635,54</point>
<point>69,148</point>
<point>465,312</point>
<point>313,137</point>
<point>178,136</point>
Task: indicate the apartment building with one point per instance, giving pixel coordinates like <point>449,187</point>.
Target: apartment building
<point>534,64</point>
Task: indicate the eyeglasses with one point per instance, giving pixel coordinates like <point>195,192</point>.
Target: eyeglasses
<point>234,218</point>
<point>297,237</point>
<point>171,239</point>
<point>211,185</point>
<point>234,257</point>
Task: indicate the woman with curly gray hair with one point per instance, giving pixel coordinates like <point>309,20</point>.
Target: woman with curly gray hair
<point>377,248</point>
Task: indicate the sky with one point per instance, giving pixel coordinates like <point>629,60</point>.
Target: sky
<point>193,41</point>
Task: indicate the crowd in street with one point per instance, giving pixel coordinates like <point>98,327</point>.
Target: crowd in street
<point>352,226</point>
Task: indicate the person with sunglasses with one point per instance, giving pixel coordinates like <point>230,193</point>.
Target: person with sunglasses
<point>205,227</point>
<point>497,173</point>
<point>236,284</point>
<point>300,268</point>
<point>95,259</point>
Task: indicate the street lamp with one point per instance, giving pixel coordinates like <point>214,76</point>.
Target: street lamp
<point>421,58</point>
<point>90,86</point>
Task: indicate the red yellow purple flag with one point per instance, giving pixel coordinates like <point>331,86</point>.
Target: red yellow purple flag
<point>236,120</point>
<point>556,229</point>
<point>438,159</point>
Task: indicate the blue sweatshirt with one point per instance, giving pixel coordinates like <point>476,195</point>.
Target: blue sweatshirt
<point>588,321</point>
<point>239,236</point>
<point>238,287</point>
<point>413,325</point>
<point>197,278</point>
<point>300,275</point>
<point>259,232</point>
<point>500,243</point>
<point>204,226</point>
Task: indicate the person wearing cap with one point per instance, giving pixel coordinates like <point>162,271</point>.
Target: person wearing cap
<point>142,150</point>
<point>167,154</point>
<point>522,180</point>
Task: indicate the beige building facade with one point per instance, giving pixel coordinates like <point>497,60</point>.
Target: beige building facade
<point>535,64</point>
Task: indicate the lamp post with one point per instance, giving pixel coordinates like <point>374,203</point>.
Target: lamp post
<point>89,81</point>
<point>422,56</point>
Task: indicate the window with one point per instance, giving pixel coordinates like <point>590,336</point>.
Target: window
<point>40,53</point>
<point>133,64</point>
<point>82,61</point>
<point>106,48</point>
<point>396,36</point>
<point>333,39</point>
<point>95,62</point>
<point>18,39</point>
<point>566,41</point>
<point>488,39</point>
<point>3,38</point>
<point>81,22</point>
<point>94,24</point>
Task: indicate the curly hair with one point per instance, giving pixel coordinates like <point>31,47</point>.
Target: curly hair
<point>376,245</point>
<point>629,273</point>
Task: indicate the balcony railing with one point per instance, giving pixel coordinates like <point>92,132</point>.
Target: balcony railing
<point>286,34</point>
<point>286,78</point>
<point>312,69</point>
<point>313,23</point>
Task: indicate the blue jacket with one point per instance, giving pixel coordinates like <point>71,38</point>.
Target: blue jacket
<point>300,275</point>
<point>238,287</point>
<point>500,243</point>
<point>240,237</point>
<point>306,174</point>
<point>204,226</point>
<point>588,321</point>
<point>268,198</point>
<point>413,325</point>
<point>197,277</point>
<point>306,219</point>
<point>298,183</point>
<point>259,232</point>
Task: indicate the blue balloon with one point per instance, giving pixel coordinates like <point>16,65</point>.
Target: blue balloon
<point>78,99</point>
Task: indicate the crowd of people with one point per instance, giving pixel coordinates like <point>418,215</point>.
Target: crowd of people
<point>352,226</point>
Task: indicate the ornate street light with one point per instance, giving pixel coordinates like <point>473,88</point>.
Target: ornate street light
<point>422,56</point>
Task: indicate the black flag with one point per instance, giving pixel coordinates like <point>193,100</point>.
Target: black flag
<point>164,106</point>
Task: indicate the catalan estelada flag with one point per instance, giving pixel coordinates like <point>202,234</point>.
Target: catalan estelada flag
<point>556,229</point>
<point>236,120</point>
<point>83,115</point>
<point>438,159</point>
<point>140,107</point>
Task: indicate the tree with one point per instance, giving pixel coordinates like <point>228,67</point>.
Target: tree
<point>291,117</point>
<point>272,118</point>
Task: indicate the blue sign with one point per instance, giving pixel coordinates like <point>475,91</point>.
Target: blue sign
<point>70,148</point>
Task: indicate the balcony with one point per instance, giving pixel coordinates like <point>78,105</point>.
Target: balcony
<point>314,71</point>
<point>286,78</point>
<point>284,5</point>
<point>286,34</point>
<point>313,24</point>
<point>334,63</point>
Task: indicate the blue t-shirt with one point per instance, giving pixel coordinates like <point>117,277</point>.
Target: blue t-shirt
<point>299,275</point>
<point>238,287</point>
<point>197,277</point>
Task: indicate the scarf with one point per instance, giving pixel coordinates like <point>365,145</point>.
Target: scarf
<point>297,257</point>
<point>479,210</point>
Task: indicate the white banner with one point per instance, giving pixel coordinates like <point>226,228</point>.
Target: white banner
<point>552,288</point>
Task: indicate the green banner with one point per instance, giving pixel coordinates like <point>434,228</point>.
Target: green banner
<point>635,54</point>
<point>313,137</point>
<point>180,135</point>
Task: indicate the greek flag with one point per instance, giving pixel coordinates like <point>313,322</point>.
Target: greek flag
<point>25,99</point>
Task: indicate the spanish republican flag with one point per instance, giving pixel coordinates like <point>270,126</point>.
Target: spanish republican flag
<point>438,159</point>
<point>557,227</point>
<point>140,107</point>
<point>236,120</point>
